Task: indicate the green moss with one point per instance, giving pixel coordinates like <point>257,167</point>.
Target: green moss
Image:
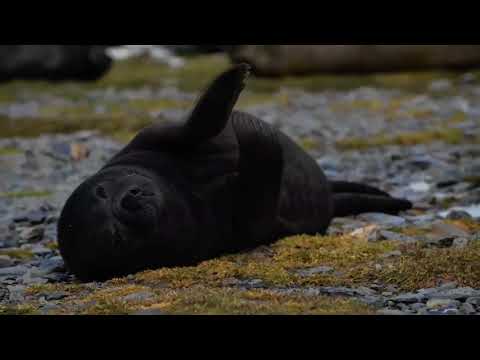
<point>448,135</point>
<point>26,194</point>
<point>204,301</point>
<point>106,124</point>
<point>309,144</point>
<point>10,152</point>
<point>19,254</point>
<point>424,268</point>
<point>18,310</point>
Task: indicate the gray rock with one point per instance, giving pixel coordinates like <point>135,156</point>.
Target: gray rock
<point>31,234</point>
<point>467,309</point>
<point>33,218</point>
<point>149,312</point>
<point>17,293</point>
<point>417,307</point>
<point>52,265</point>
<point>391,312</point>
<point>13,271</point>
<point>461,294</point>
<point>315,271</point>
<point>459,215</point>
<point>409,298</point>
<point>383,219</point>
<point>461,243</point>
<point>442,304</point>
<point>56,296</point>
<point>6,261</point>
<point>139,297</point>
<point>40,250</point>
<point>393,236</point>
<point>4,293</point>
<point>475,301</point>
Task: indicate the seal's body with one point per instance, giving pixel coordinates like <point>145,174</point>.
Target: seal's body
<point>222,182</point>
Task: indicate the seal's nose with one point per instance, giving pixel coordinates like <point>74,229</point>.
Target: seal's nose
<point>131,200</point>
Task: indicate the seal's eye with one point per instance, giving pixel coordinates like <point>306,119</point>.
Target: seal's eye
<point>101,193</point>
<point>135,191</point>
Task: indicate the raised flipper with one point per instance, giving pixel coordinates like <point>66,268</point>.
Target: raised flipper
<point>207,120</point>
<point>342,187</point>
<point>259,180</point>
<point>356,204</point>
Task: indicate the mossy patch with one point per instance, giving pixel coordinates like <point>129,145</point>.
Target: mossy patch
<point>10,152</point>
<point>26,194</point>
<point>20,254</point>
<point>20,310</point>
<point>449,136</point>
<point>213,287</point>
<point>424,268</point>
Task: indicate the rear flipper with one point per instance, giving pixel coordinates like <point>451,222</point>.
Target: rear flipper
<point>356,204</point>
<point>344,187</point>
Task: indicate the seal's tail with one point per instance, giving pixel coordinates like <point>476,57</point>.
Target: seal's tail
<point>355,199</point>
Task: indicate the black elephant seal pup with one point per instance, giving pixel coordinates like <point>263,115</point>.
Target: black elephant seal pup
<point>220,183</point>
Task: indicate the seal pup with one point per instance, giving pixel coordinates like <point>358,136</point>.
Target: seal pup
<point>221,182</point>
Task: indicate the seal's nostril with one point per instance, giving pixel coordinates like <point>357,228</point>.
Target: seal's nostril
<point>101,192</point>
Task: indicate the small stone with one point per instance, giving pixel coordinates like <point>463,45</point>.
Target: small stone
<point>321,270</point>
<point>383,219</point>
<point>392,254</point>
<point>368,232</point>
<point>467,309</point>
<point>418,307</point>
<point>40,250</point>
<point>461,243</point>
<point>410,298</point>
<point>5,261</point>
<point>149,312</point>
<point>33,218</point>
<point>17,293</point>
<point>139,297</point>
<point>79,152</point>
<point>56,296</point>
<point>390,312</point>
<point>442,304</point>
<point>32,234</point>
<point>393,236</point>
<point>475,301</point>
<point>4,293</point>
<point>461,294</point>
<point>459,215</point>
<point>13,271</point>
<point>53,265</point>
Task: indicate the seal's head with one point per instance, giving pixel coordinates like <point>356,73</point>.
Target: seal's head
<point>124,220</point>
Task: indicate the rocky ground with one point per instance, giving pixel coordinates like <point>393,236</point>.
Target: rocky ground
<point>418,142</point>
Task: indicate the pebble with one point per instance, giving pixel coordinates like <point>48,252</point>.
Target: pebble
<point>442,303</point>
<point>6,261</point>
<point>410,298</point>
<point>31,234</point>
<point>383,219</point>
<point>139,297</point>
<point>321,270</point>
<point>13,271</point>
<point>56,296</point>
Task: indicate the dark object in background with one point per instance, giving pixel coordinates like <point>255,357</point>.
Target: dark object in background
<point>220,183</point>
<point>198,49</point>
<point>53,62</point>
<point>284,60</point>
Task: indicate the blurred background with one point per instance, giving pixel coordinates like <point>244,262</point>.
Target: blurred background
<point>401,117</point>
